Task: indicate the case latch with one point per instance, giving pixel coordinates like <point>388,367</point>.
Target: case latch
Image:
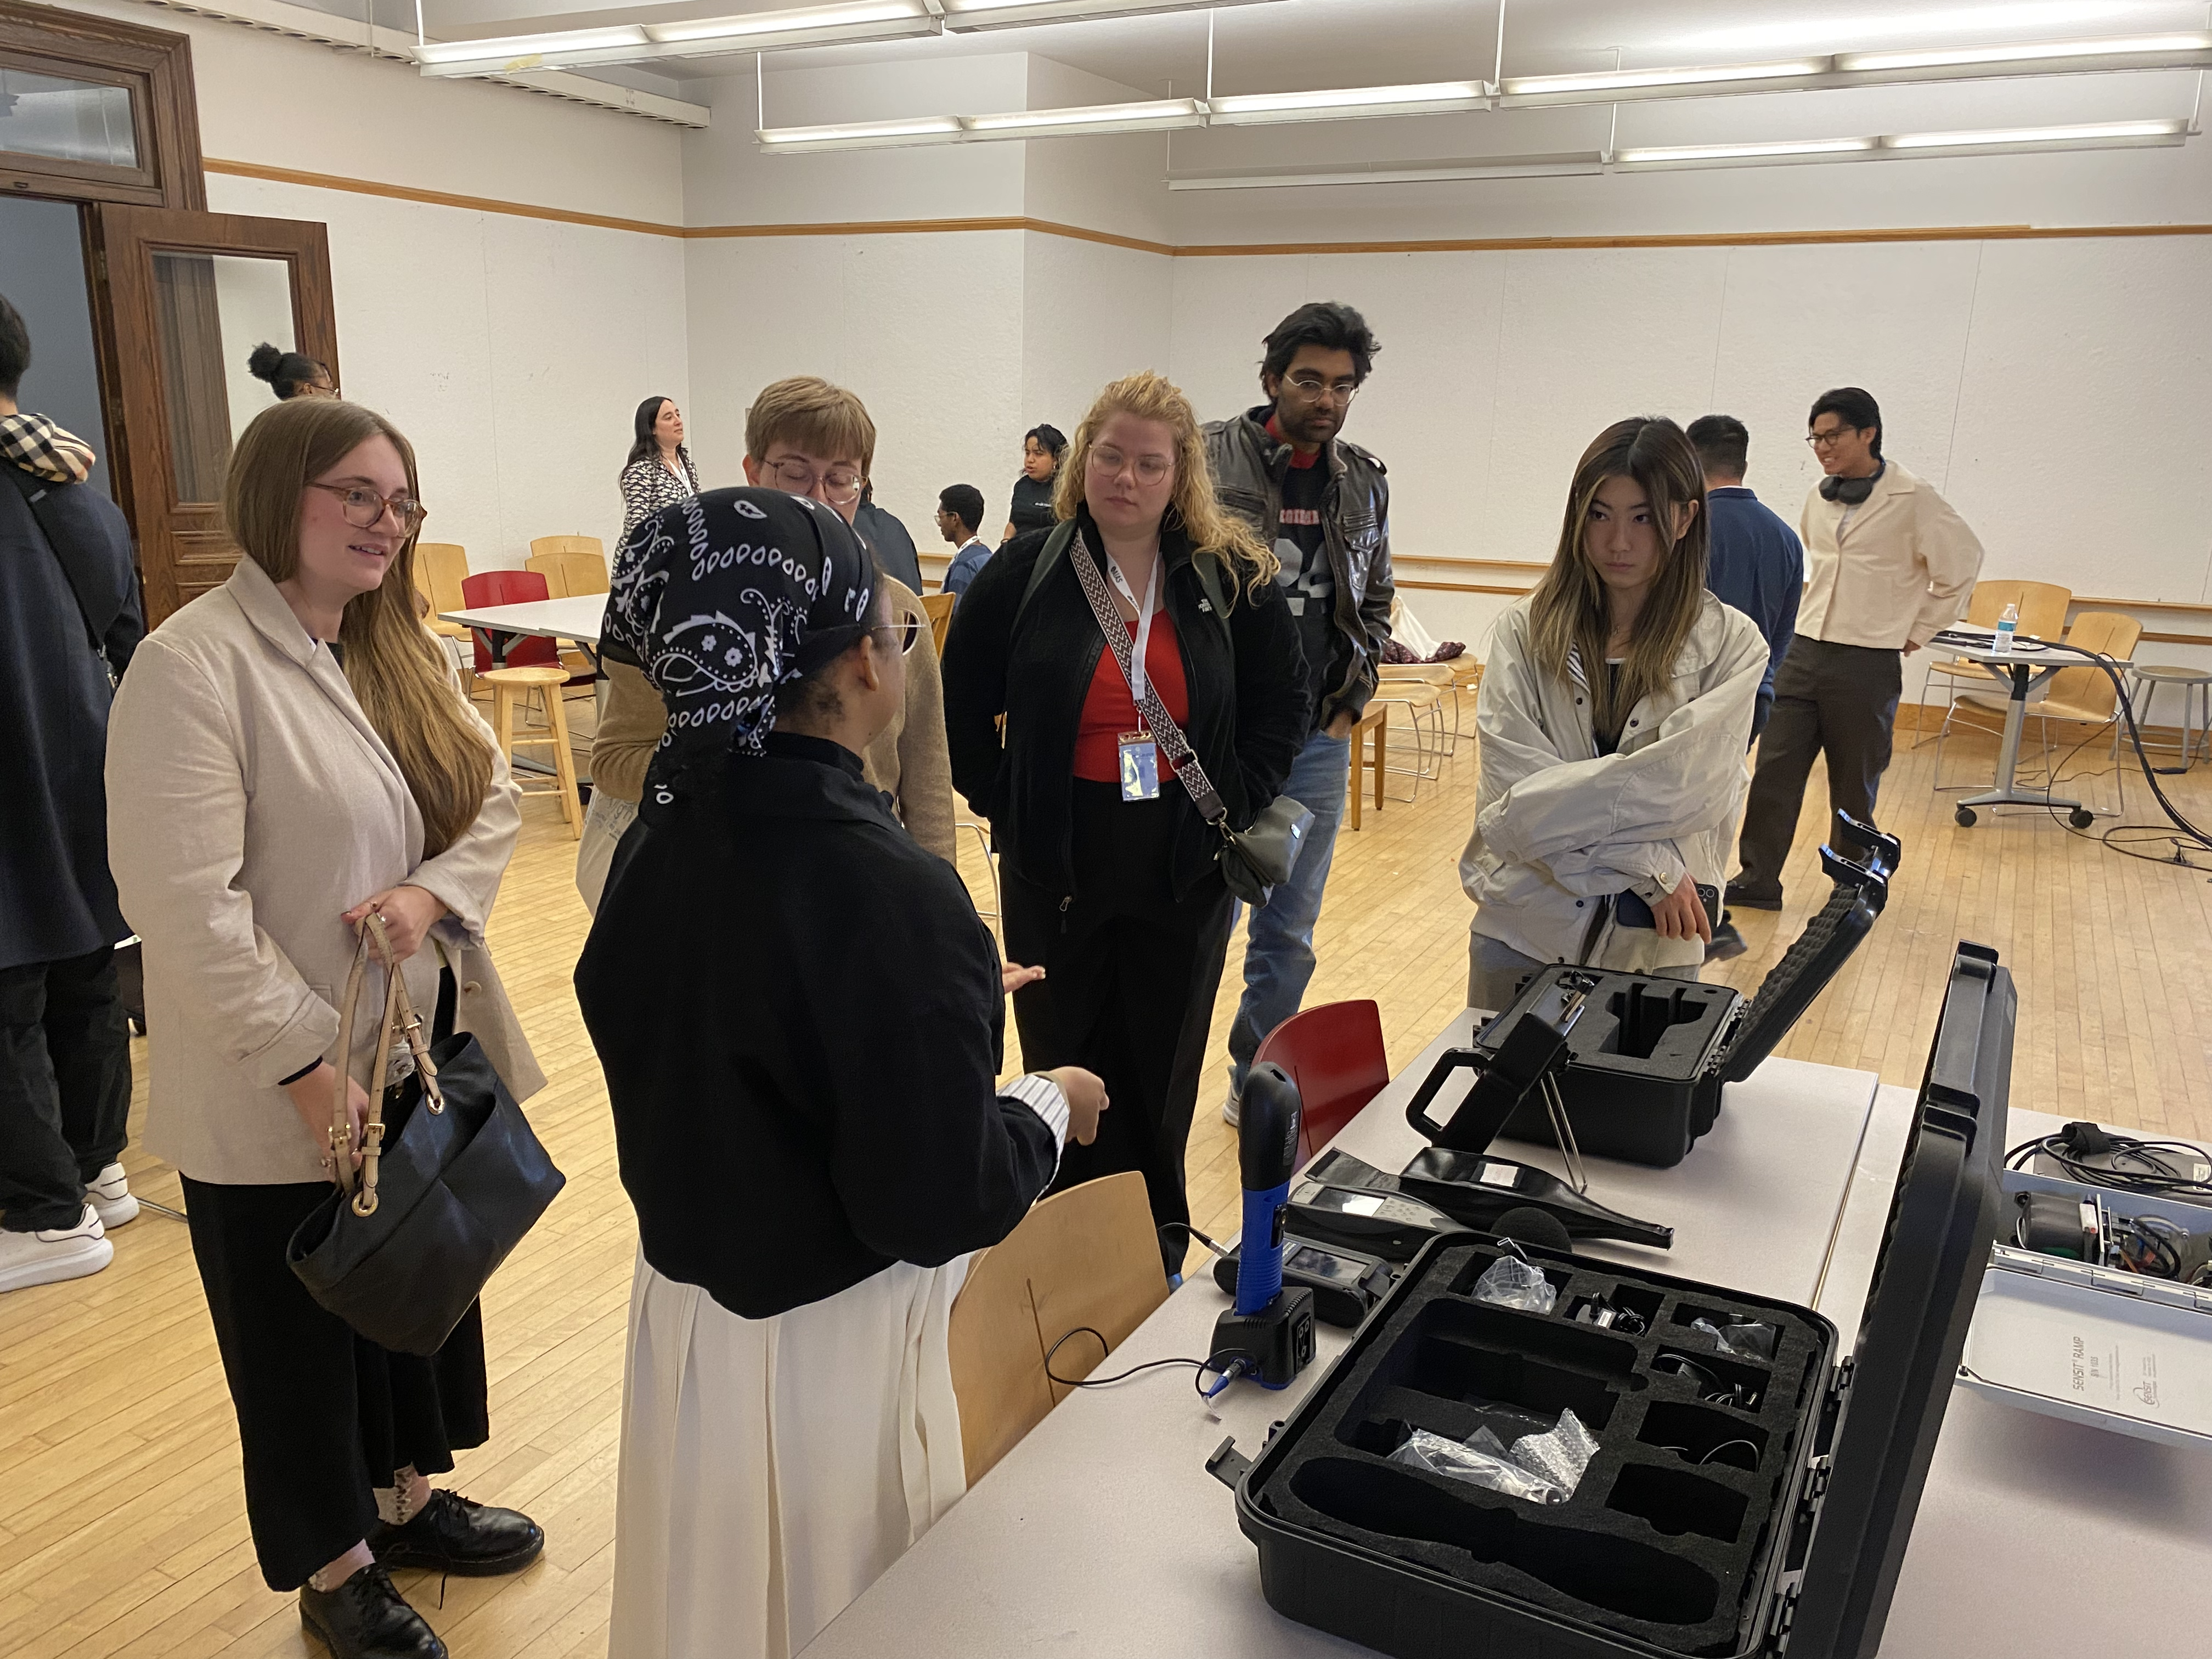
<point>1784,1618</point>
<point>1228,1465</point>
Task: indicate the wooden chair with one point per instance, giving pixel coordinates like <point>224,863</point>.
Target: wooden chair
<point>1419,688</point>
<point>440,568</point>
<point>2042,608</point>
<point>2084,694</point>
<point>570,573</point>
<point>1088,1256</point>
<point>939,607</point>
<point>542,685</point>
<point>591,544</point>
<point>1334,1054</point>
<point>1375,720</point>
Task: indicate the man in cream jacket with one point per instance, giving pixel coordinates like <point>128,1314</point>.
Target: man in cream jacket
<point>1888,564</point>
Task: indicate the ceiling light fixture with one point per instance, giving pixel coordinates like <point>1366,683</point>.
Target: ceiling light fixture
<point>1159,114</point>
<point>2155,51</point>
<point>864,135</point>
<point>1600,84</point>
<point>2107,135</point>
<point>1260,108</point>
<point>850,24</point>
<point>1396,173</point>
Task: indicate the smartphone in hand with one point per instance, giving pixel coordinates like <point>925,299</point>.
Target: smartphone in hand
<point>1630,909</point>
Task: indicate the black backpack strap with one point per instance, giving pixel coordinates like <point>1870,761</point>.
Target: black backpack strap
<point>1054,550</point>
<point>35,493</point>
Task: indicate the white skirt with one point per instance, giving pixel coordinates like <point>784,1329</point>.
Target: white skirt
<point>772,1468</point>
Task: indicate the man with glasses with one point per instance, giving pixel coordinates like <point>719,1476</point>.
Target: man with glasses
<point>1888,564</point>
<point>809,438</point>
<point>1324,506</point>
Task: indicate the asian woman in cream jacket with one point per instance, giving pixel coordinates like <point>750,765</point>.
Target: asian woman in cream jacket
<point>1614,714</point>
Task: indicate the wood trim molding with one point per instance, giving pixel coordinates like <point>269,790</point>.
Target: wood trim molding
<point>154,64</point>
<point>1203,251</point>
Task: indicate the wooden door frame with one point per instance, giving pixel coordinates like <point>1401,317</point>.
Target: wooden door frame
<point>154,64</point>
<point>173,558</point>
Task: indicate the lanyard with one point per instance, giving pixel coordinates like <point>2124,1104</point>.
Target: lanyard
<point>1144,626</point>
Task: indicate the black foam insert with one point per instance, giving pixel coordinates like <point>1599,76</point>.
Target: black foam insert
<point>1669,1531</point>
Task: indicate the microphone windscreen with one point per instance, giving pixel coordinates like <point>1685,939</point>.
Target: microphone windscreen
<point>1533,1226</point>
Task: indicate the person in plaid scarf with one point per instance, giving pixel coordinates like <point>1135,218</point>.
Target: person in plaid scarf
<point>69,618</point>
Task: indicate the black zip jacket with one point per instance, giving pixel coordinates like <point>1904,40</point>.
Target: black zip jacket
<point>1248,470</point>
<point>1249,718</point>
<point>800,1018</point>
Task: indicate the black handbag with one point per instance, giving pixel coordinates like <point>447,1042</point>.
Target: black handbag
<point>1254,861</point>
<point>401,1251</point>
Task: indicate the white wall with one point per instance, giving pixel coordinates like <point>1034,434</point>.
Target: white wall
<point>928,329</point>
<point>2051,390</point>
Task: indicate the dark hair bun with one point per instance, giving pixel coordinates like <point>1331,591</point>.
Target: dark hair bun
<point>264,362</point>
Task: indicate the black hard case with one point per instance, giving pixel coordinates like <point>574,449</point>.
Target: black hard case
<point>1681,1539</point>
<point>1649,1054</point>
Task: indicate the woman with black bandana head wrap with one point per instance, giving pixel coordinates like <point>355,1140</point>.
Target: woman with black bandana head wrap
<point>799,1011</point>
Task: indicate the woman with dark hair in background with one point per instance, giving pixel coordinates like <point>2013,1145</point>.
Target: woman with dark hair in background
<point>289,374</point>
<point>289,753</point>
<point>1615,709</point>
<point>1111,885</point>
<point>1041,449</point>
<point>657,472</point>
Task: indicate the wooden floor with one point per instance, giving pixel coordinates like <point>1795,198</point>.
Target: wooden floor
<point>123,1531</point>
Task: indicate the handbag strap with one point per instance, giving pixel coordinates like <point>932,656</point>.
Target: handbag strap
<point>400,1021</point>
<point>1188,772</point>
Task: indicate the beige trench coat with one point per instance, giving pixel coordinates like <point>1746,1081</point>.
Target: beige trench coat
<point>250,804</point>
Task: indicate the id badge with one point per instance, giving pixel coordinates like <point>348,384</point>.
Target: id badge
<point>1140,767</point>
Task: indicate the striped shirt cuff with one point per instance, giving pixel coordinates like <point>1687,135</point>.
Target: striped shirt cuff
<point>1043,1095</point>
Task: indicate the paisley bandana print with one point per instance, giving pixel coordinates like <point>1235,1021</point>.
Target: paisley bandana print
<point>723,599</point>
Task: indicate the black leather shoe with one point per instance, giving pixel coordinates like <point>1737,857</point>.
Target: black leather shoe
<point>453,1534</point>
<point>1728,942</point>
<point>365,1618</point>
<point>1746,898</point>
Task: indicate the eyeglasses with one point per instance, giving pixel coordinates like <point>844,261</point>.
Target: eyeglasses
<point>364,508</point>
<point>906,631</point>
<point>1311,388</point>
<point>1149,468</point>
<point>1822,440</point>
<point>838,483</point>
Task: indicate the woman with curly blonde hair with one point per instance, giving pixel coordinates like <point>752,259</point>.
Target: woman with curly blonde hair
<point>1107,866</point>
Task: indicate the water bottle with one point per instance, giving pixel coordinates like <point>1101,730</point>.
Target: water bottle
<point>2008,625</point>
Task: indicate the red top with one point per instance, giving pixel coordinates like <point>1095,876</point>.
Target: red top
<point>1109,710</point>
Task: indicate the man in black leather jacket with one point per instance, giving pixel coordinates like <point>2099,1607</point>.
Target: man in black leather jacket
<point>1324,506</point>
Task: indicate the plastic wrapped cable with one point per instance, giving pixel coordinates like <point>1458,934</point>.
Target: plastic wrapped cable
<point>1542,1468</point>
<point>1432,1452</point>
<point>1744,1339</point>
<point>1509,1282</point>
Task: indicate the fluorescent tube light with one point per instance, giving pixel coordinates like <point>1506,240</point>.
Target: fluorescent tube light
<point>1608,82</point>
<point>1789,148</point>
<point>1912,146</point>
<point>499,51</point>
<point>853,21</point>
<point>863,134</point>
<point>973,16</point>
<point>864,19</point>
<point>2113,132</point>
<point>1154,116</point>
<point>1396,173</point>
<point>1258,108</point>
<point>2187,50</point>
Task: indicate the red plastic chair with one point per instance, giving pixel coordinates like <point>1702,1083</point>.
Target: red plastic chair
<point>1334,1055</point>
<point>491,587</point>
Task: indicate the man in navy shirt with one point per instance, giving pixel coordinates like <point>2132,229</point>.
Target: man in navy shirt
<point>1754,562</point>
<point>959,511</point>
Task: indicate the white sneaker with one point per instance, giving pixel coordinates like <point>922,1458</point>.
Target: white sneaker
<point>110,1196</point>
<point>1230,1110</point>
<point>53,1253</point>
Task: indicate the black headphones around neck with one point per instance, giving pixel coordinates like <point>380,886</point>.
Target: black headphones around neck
<point>1852,492</point>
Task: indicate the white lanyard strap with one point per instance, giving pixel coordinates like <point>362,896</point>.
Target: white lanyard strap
<point>1143,626</point>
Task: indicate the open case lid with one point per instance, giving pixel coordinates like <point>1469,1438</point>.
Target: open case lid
<point>1860,871</point>
<point>1942,1218</point>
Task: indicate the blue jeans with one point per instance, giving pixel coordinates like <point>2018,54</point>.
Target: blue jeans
<point>1278,957</point>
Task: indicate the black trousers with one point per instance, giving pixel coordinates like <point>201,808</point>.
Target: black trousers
<point>1836,700</point>
<point>324,1416</point>
<point>1131,975</point>
<point>65,1086</point>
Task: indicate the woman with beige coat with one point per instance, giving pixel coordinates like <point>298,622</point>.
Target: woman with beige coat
<point>290,754</point>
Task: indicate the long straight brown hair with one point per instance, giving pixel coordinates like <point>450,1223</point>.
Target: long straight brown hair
<point>1567,612</point>
<point>397,669</point>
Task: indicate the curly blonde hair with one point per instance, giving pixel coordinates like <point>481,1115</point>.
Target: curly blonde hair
<point>1213,532</point>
